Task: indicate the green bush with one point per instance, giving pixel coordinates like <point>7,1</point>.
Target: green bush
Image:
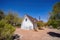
<point>6,30</point>
<point>18,25</point>
<point>40,24</point>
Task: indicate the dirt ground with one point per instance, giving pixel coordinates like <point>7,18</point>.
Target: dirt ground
<point>37,35</point>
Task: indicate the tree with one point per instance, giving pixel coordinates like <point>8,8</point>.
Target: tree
<point>9,17</point>
<point>17,20</point>
<point>54,18</point>
<point>13,19</point>
<point>56,8</point>
<point>1,14</point>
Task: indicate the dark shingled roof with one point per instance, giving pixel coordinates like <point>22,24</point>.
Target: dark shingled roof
<point>33,20</point>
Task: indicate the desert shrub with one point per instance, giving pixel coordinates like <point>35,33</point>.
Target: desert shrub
<point>39,25</point>
<point>6,30</point>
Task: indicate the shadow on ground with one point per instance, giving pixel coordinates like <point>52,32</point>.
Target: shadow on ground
<point>53,34</point>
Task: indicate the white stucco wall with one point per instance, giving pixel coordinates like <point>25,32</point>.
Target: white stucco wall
<point>26,24</point>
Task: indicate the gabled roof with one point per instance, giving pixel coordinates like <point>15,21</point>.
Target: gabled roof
<point>33,20</point>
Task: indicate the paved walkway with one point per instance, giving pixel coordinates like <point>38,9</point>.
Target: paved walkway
<point>37,35</point>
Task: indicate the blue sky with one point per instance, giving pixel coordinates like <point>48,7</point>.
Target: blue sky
<point>34,8</point>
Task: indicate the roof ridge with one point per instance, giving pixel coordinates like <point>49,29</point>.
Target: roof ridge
<point>32,19</point>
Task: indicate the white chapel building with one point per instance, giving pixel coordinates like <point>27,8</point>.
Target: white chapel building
<point>29,23</point>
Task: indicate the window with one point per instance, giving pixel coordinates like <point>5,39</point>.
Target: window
<point>25,19</point>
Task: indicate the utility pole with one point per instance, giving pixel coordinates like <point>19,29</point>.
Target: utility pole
<point>39,18</point>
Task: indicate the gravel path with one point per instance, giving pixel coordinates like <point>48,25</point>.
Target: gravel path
<point>37,35</point>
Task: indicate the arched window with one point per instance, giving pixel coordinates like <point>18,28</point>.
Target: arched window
<point>25,19</point>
